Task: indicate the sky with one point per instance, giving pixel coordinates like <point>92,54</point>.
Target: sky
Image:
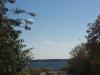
<point>59,26</point>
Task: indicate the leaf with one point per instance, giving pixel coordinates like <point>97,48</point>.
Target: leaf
<point>12,1</point>
<point>32,14</point>
<point>18,11</point>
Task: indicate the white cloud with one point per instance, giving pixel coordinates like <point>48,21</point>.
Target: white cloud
<point>53,49</point>
<point>30,19</point>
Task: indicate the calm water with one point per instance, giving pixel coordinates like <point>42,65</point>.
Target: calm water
<point>53,64</point>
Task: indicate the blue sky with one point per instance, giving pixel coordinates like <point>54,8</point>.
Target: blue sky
<point>59,25</point>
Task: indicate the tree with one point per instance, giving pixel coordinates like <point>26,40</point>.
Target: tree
<point>13,55</point>
<point>86,57</point>
<point>78,64</point>
<point>93,46</point>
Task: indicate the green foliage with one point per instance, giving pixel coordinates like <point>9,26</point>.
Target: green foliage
<point>93,39</point>
<point>86,57</point>
<point>78,64</point>
<point>93,46</point>
<point>13,56</point>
